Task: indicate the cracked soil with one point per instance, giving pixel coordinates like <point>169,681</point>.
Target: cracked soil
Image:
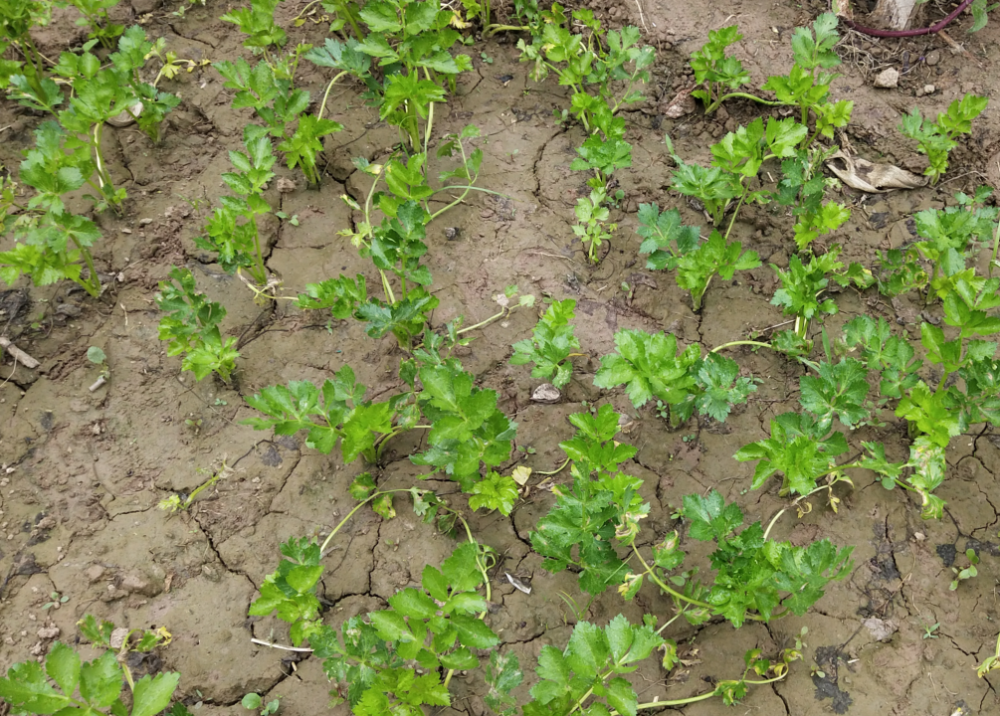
<point>84,471</point>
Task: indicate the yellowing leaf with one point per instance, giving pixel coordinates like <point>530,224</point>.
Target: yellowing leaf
<point>456,21</point>
<point>521,475</point>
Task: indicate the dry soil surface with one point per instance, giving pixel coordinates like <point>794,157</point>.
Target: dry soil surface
<point>84,471</point>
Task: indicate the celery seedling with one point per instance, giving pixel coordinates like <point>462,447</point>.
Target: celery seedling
<point>551,345</point>
<point>335,412</point>
<point>673,246</point>
<point>413,40</point>
<point>238,242</point>
<point>717,72</point>
<point>49,241</point>
<point>95,16</point>
<point>805,85</point>
<point>17,17</point>
<point>192,327</point>
<point>802,285</point>
<point>592,216</point>
<point>280,106</point>
<point>936,139</point>
<point>30,687</point>
<point>257,23</point>
<point>650,366</point>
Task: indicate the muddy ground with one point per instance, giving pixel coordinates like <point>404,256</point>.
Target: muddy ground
<point>84,471</point>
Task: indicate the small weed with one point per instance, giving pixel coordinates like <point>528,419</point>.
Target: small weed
<point>254,702</point>
<point>968,573</point>
<point>56,600</point>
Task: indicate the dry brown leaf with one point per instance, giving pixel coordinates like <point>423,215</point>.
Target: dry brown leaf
<point>681,104</point>
<point>862,175</point>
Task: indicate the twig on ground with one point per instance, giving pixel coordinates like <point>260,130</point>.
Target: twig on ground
<point>25,360</point>
<point>261,642</point>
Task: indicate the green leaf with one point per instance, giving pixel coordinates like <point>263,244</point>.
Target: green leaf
<point>621,697</point>
<point>63,666</point>
<point>362,486</point>
<point>503,675</point>
<point>473,633</point>
<point>552,666</point>
<point>252,701</point>
<point>461,568</point>
<point>817,51</point>
<point>435,583</point>
<point>665,239</point>
<point>390,625</point>
<point>650,366</point>
<point>711,518</point>
<point>152,694</point>
<point>588,649</point>
<point>721,386</point>
<point>381,16</point>
<point>413,603</point>
<point>838,389</point>
<point>101,680</point>
<point>26,688</point>
<point>494,492</point>
<point>552,343</point>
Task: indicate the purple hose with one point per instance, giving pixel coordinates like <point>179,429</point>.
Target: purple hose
<point>908,33</point>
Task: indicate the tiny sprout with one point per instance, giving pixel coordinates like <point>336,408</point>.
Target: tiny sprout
<point>57,599</point>
<point>967,573</point>
<point>254,701</point>
<point>929,631</point>
<point>96,356</point>
<point>800,640</point>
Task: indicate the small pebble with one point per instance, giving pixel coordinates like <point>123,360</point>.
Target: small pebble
<point>933,57</point>
<point>887,79</point>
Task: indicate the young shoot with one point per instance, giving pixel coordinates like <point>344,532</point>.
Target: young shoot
<point>936,139</point>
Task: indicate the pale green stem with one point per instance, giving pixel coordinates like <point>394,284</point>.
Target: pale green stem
<point>461,148</point>
<point>699,697</point>
<point>389,295</point>
<point>261,271</point>
<point>670,621</point>
<point>553,472</point>
<point>736,212</point>
<point>741,343</point>
<point>672,592</point>
<point>326,94</point>
<point>494,29</point>
<point>491,319</point>
<point>471,188</point>
<point>326,542</point>
<point>799,499</point>
<point>430,118</point>
<point>759,100</point>
<point>208,483</point>
<point>93,286</point>
<point>97,155</point>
